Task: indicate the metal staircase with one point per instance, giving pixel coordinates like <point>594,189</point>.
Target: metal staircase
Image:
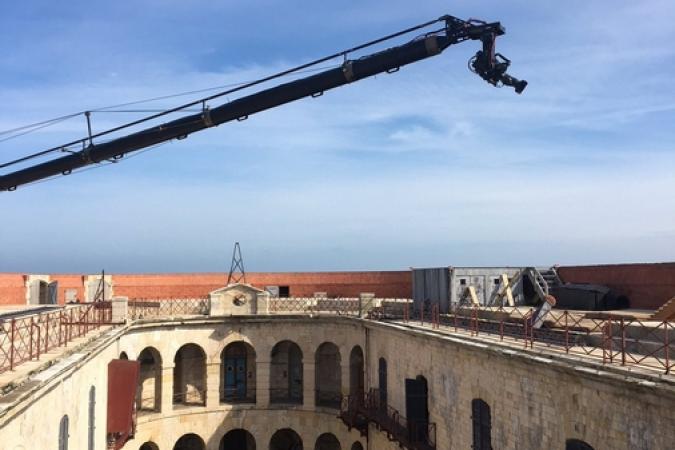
<point>360,410</point>
<point>543,280</point>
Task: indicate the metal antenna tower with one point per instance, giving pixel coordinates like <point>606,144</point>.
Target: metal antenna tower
<point>237,272</point>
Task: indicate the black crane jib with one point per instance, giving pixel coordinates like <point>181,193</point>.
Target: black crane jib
<point>489,65</point>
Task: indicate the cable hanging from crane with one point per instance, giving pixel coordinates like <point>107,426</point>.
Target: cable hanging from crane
<point>234,88</point>
<point>487,64</point>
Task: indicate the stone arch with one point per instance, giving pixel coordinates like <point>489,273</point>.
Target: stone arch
<point>189,441</point>
<point>149,392</point>
<point>238,439</point>
<point>482,424</point>
<point>149,446</point>
<point>286,368</point>
<point>356,371</point>
<point>189,376</point>
<point>577,444</point>
<point>357,446</point>
<point>328,375</point>
<point>327,441</point>
<point>238,373</point>
<point>285,439</point>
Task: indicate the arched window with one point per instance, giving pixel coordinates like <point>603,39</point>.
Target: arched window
<point>124,356</point>
<point>189,442</point>
<point>576,444</point>
<point>382,379</point>
<point>149,393</point>
<point>237,373</point>
<point>286,373</point>
<point>285,439</point>
<point>64,434</point>
<point>328,376</point>
<point>327,441</point>
<point>92,418</point>
<point>482,425</point>
<point>149,446</point>
<point>356,374</point>
<point>237,440</point>
<point>417,408</point>
<point>189,376</point>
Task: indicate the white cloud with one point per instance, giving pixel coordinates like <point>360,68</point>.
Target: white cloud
<point>427,166</point>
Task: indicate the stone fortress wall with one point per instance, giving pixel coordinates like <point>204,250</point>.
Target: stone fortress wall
<point>534,401</point>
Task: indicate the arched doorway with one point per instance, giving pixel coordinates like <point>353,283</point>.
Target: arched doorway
<point>327,441</point>
<point>64,433</point>
<point>482,424</point>
<point>149,446</point>
<point>189,442</point>
<point>237,440</point>
<point>286,373</point>
<point>417,408</point>
<point>189,376</point>
<point>328,376</point>
<point>237,373</point>
<point>356,373</point>
<point>149,393</point>
<point>357,446</point>
<point>285,439</point>
<point>576,444</point>
<point>382,383</point>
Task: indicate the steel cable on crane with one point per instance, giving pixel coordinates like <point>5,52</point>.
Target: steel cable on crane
<point>202,101</point>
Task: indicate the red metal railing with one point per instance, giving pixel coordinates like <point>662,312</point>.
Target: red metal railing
<point>26,338</point>
<point>141,308</point>
<point>616,339</point>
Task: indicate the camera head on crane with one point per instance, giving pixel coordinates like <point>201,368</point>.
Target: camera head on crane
<point>488,64</point>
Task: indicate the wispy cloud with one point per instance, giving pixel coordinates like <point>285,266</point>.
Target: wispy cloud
<point>427,166</point>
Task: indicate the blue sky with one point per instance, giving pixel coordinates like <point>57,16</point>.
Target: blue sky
<point>426,167</point>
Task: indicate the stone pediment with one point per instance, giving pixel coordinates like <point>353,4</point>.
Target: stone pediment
<point>237,299</point>
<point>238,287</point>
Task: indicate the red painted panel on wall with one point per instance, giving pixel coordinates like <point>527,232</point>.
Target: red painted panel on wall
<point>122,383</point>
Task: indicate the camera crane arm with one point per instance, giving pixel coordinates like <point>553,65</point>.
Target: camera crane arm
<point>486,63</point>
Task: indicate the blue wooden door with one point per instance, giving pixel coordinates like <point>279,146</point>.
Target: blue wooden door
<point>235,377</point>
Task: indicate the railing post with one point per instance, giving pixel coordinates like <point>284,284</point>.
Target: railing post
<point>46,334</point>
<point>39,332</point>
<point>526,325</point>
<point>11,346</point>
<point>60,328</point>
<point>30,341</point>
<point>567,332</point>
<point>610,341</point>
<point>666,343</point>
<point>531,327</point>
<point>623,342</point>
<point>422,314</point>
<point>475,319</point>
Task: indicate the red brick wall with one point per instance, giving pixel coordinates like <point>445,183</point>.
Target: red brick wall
<point>69,282</point>
<point>342,284</point>
<point>12,290</point>
<point>648,286</point>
